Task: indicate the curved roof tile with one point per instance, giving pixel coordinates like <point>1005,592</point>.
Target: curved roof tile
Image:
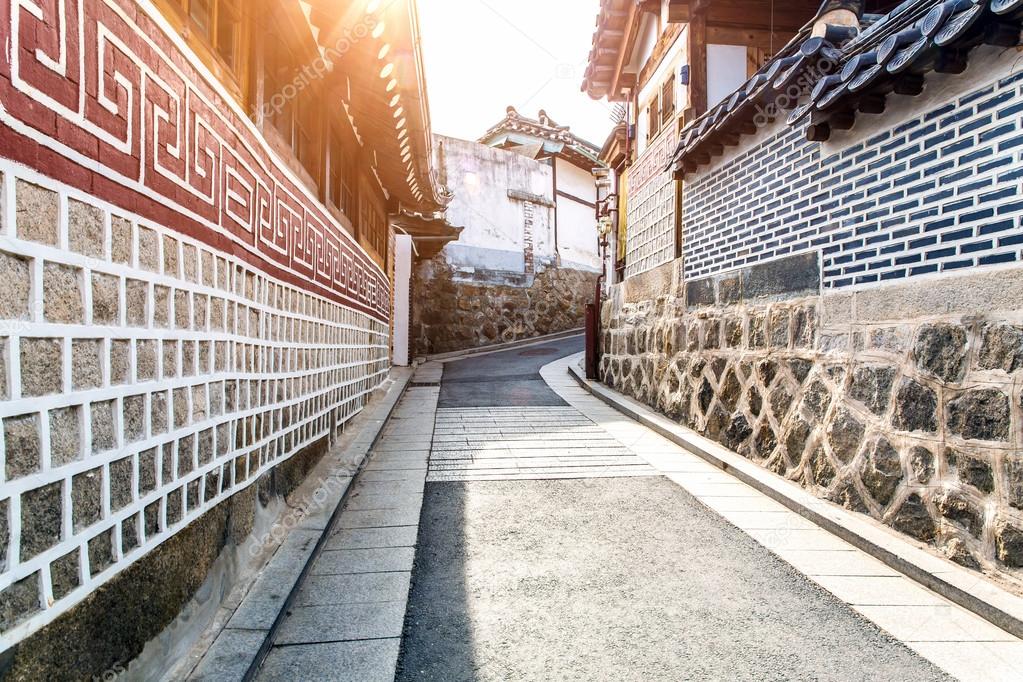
<point>892,53</point>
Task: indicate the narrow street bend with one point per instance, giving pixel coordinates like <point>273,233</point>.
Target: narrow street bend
<point>548,550</point>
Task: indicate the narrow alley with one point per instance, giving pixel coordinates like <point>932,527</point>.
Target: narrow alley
<point>541,532</point>
<point>562,569</point>
<point>433,341</point>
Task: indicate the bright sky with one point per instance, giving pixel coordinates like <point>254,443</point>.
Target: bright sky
<point>483,55</point>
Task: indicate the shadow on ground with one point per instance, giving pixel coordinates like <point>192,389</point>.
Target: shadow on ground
<point>616,579</point>
<point>611,578</point>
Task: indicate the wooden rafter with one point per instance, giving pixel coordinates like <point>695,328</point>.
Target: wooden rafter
<point>786,16</point>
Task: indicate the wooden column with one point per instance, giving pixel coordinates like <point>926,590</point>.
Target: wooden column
<point>697,49</point>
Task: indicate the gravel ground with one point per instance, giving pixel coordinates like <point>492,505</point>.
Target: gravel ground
<point>619,579</point>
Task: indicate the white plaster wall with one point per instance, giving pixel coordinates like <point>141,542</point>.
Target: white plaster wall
<point>646,42</point>
<point>577,222</point>
<point>576,181</point>
<point>480,177</point>
<point>726,71</point>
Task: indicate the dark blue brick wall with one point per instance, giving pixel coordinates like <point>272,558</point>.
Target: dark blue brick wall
<point>940,192</point>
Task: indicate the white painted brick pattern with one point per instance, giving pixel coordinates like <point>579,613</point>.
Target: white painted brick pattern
<point>935,193</point>
<point>209,373</point>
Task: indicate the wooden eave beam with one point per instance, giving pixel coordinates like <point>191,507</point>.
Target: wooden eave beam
<point>697,50</point>
<point>760,37</point>
<point>629,33</point>
<point>740,13</point>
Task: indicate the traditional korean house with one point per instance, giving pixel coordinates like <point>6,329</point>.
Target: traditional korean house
<point>843,307</point>
<point>198,257</point>
<point>526,261</point>
<point>666,61</point>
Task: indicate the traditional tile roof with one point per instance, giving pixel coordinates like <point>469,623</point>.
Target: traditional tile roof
<point>615,24</point>
<point>831,73</point>
<point>557,140</point>
<point>375,50</point>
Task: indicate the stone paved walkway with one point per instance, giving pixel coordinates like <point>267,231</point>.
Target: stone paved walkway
<point>347,619</point>
<point>496,539</point>
<point>518,443</point>
<point>534,564</point>
<point>952,638</point>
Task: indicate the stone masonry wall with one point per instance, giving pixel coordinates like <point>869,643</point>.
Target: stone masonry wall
<point>903,403</point>
<point>181,319</point>
<point>145,378</point>
<point>453,315</point>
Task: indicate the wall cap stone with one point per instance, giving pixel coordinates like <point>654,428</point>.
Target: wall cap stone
<point>992,290</point>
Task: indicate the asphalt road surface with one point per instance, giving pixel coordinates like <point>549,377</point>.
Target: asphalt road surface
<point>611,579</point>
<point>506,379</point>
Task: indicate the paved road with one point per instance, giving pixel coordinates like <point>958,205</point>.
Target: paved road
<point>612,579</point>
<point>506,379</point>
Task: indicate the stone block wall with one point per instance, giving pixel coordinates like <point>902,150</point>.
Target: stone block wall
<point>453,312</point>
<point>182,321</point>
<point>146,377</point>
<point>903,403</point>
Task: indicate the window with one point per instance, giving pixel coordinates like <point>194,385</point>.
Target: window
<point>218,32</point>
<point>228,35</point>
<point>306,137</point>
<point>653,120</point>
<point>219,22</point>
<point>372,228</point>
<point>662,109</point>
<point>339,177</point>
<point>278,71</point>
<point>668,100</point>
<point>376,231</point>
<point>296,118</point>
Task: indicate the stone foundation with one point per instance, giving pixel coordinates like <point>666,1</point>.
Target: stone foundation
<point>915,418</point>
<point>102,635</point>
<point>455,313</point>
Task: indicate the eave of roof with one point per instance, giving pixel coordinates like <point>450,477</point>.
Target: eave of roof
<point>615,31</point>
<point>891,54</point>
<point>613,152</point>
<point>558,140</point>
<point>378,75</point>
<point>429,234</point>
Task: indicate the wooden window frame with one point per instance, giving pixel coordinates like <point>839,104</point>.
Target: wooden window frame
<point>667,100</point>
<point>340,173</point>
<point>372,226</point>
<point>307,134</point>
<point>653,118</point>
<point>235,78</point>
